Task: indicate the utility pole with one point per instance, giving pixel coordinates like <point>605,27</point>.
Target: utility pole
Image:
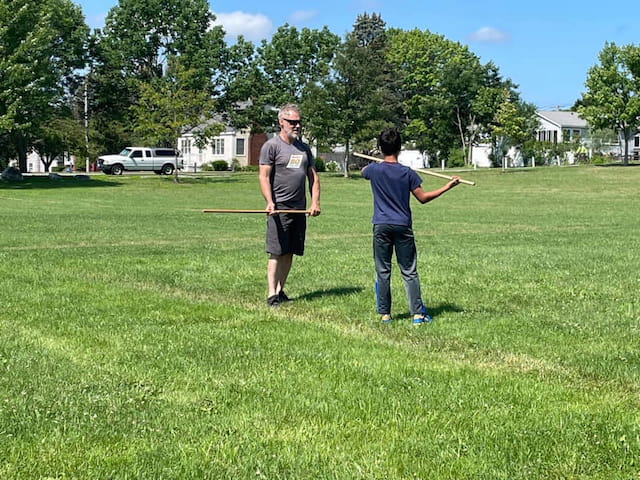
<point>86,121</point>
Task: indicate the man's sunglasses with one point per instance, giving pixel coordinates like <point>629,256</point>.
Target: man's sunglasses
<point>293,122</point>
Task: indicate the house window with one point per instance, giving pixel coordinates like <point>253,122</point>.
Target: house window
<point>555,136</point>
<point>576,135</point>
<point>566,134</point>
<point>636,141</point>
<point>239,146</point>
<point>185,146</point>
<point>217,148</point>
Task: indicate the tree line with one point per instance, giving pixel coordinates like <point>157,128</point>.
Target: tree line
<point>158,67</point>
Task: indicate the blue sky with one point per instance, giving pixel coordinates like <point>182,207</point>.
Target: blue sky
<point>546,47</point>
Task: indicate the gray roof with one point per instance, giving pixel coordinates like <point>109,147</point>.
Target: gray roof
<point>563,119</point>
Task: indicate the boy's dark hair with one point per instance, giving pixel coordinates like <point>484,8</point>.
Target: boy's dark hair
<point>390,141</point>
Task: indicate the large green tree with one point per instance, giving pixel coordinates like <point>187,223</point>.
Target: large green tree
<point>449,95</point>
<point>244,88</point>
<point>293,59</point>
<point>612,99</point>
<point>287,68</point>
<point>169,104</point>
<point>475,111</point>
<point>514,125</point>
<point>135,45</point>
<point>42,43</point>
<point>60,135</point>
<point>290,65</point>
<point>419,58</point>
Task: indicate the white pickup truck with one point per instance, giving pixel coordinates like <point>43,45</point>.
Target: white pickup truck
<point>159,160</point>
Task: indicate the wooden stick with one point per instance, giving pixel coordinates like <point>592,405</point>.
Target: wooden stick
<point>421,170</point>
<point>219,210</point>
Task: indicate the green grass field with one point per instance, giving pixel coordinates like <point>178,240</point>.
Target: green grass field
<point>135,342</point>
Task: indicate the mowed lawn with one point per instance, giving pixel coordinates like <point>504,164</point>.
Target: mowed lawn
<point>135,341</point>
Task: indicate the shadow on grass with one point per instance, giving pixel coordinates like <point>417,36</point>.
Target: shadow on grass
<point>437,310</point>
<point>618,164</point>
<point>353,175</point>
<point>32,182</point>
<point>192,179</point>
<point>330,292</point>
<point>444,308</point>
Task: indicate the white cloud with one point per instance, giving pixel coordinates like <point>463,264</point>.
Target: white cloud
<point>253,26</point>
<point>489,35</point>
<point>301,16</point>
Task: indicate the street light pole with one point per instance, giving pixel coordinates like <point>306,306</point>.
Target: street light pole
<point>86,121</point>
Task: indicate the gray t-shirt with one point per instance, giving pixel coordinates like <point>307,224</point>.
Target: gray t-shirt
<point>289,164</point>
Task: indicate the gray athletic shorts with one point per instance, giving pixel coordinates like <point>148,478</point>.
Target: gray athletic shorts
<point>286,233</point>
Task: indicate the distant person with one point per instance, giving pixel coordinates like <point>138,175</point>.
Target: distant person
<point>391,184</point>
<point>286,164</point>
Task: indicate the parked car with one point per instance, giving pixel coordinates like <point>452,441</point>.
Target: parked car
<point>159,160</point>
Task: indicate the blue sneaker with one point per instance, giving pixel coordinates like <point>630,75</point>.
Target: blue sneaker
<point>420,318</point>
<point>386,318</point>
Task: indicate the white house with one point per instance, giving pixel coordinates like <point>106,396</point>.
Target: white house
<point>560,126</point>
<point>237,147</point>
<point>35,165</point>
<point>557,126</point>
<point>413,159</point>
<point>635,147</point>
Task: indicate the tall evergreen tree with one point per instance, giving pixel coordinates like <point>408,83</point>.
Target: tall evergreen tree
<point>363,86</point>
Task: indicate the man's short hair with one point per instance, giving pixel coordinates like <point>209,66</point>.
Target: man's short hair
<point>390,141</point>
<point>288,108</point>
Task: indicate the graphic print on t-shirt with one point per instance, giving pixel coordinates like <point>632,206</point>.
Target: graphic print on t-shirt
<point>295,161</point>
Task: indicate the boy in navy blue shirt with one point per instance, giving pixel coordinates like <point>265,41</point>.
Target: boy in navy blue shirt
<point>391,184</point>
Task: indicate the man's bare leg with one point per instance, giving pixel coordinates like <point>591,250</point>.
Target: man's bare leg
<point>278,268</point>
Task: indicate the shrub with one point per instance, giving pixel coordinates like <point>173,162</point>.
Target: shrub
<point>332,166</point>
<point>456,158</point>
<point>320,167</point>
<point>220,165</point>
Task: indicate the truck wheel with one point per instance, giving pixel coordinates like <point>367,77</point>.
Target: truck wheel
<point>117,169</point>
<point>167,169</point>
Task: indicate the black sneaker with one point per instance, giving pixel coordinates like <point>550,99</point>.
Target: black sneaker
<point>282,297</point>
<point>273,301</point>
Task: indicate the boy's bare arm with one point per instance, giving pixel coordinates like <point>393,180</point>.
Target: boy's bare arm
<point>424,197</point>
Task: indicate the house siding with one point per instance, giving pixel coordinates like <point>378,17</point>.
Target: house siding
<point>221,147</point>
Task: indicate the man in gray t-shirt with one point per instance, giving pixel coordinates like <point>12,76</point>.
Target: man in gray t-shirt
<point>285,163</point>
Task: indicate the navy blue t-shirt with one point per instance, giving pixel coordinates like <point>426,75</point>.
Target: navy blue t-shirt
<point>391,184</point>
